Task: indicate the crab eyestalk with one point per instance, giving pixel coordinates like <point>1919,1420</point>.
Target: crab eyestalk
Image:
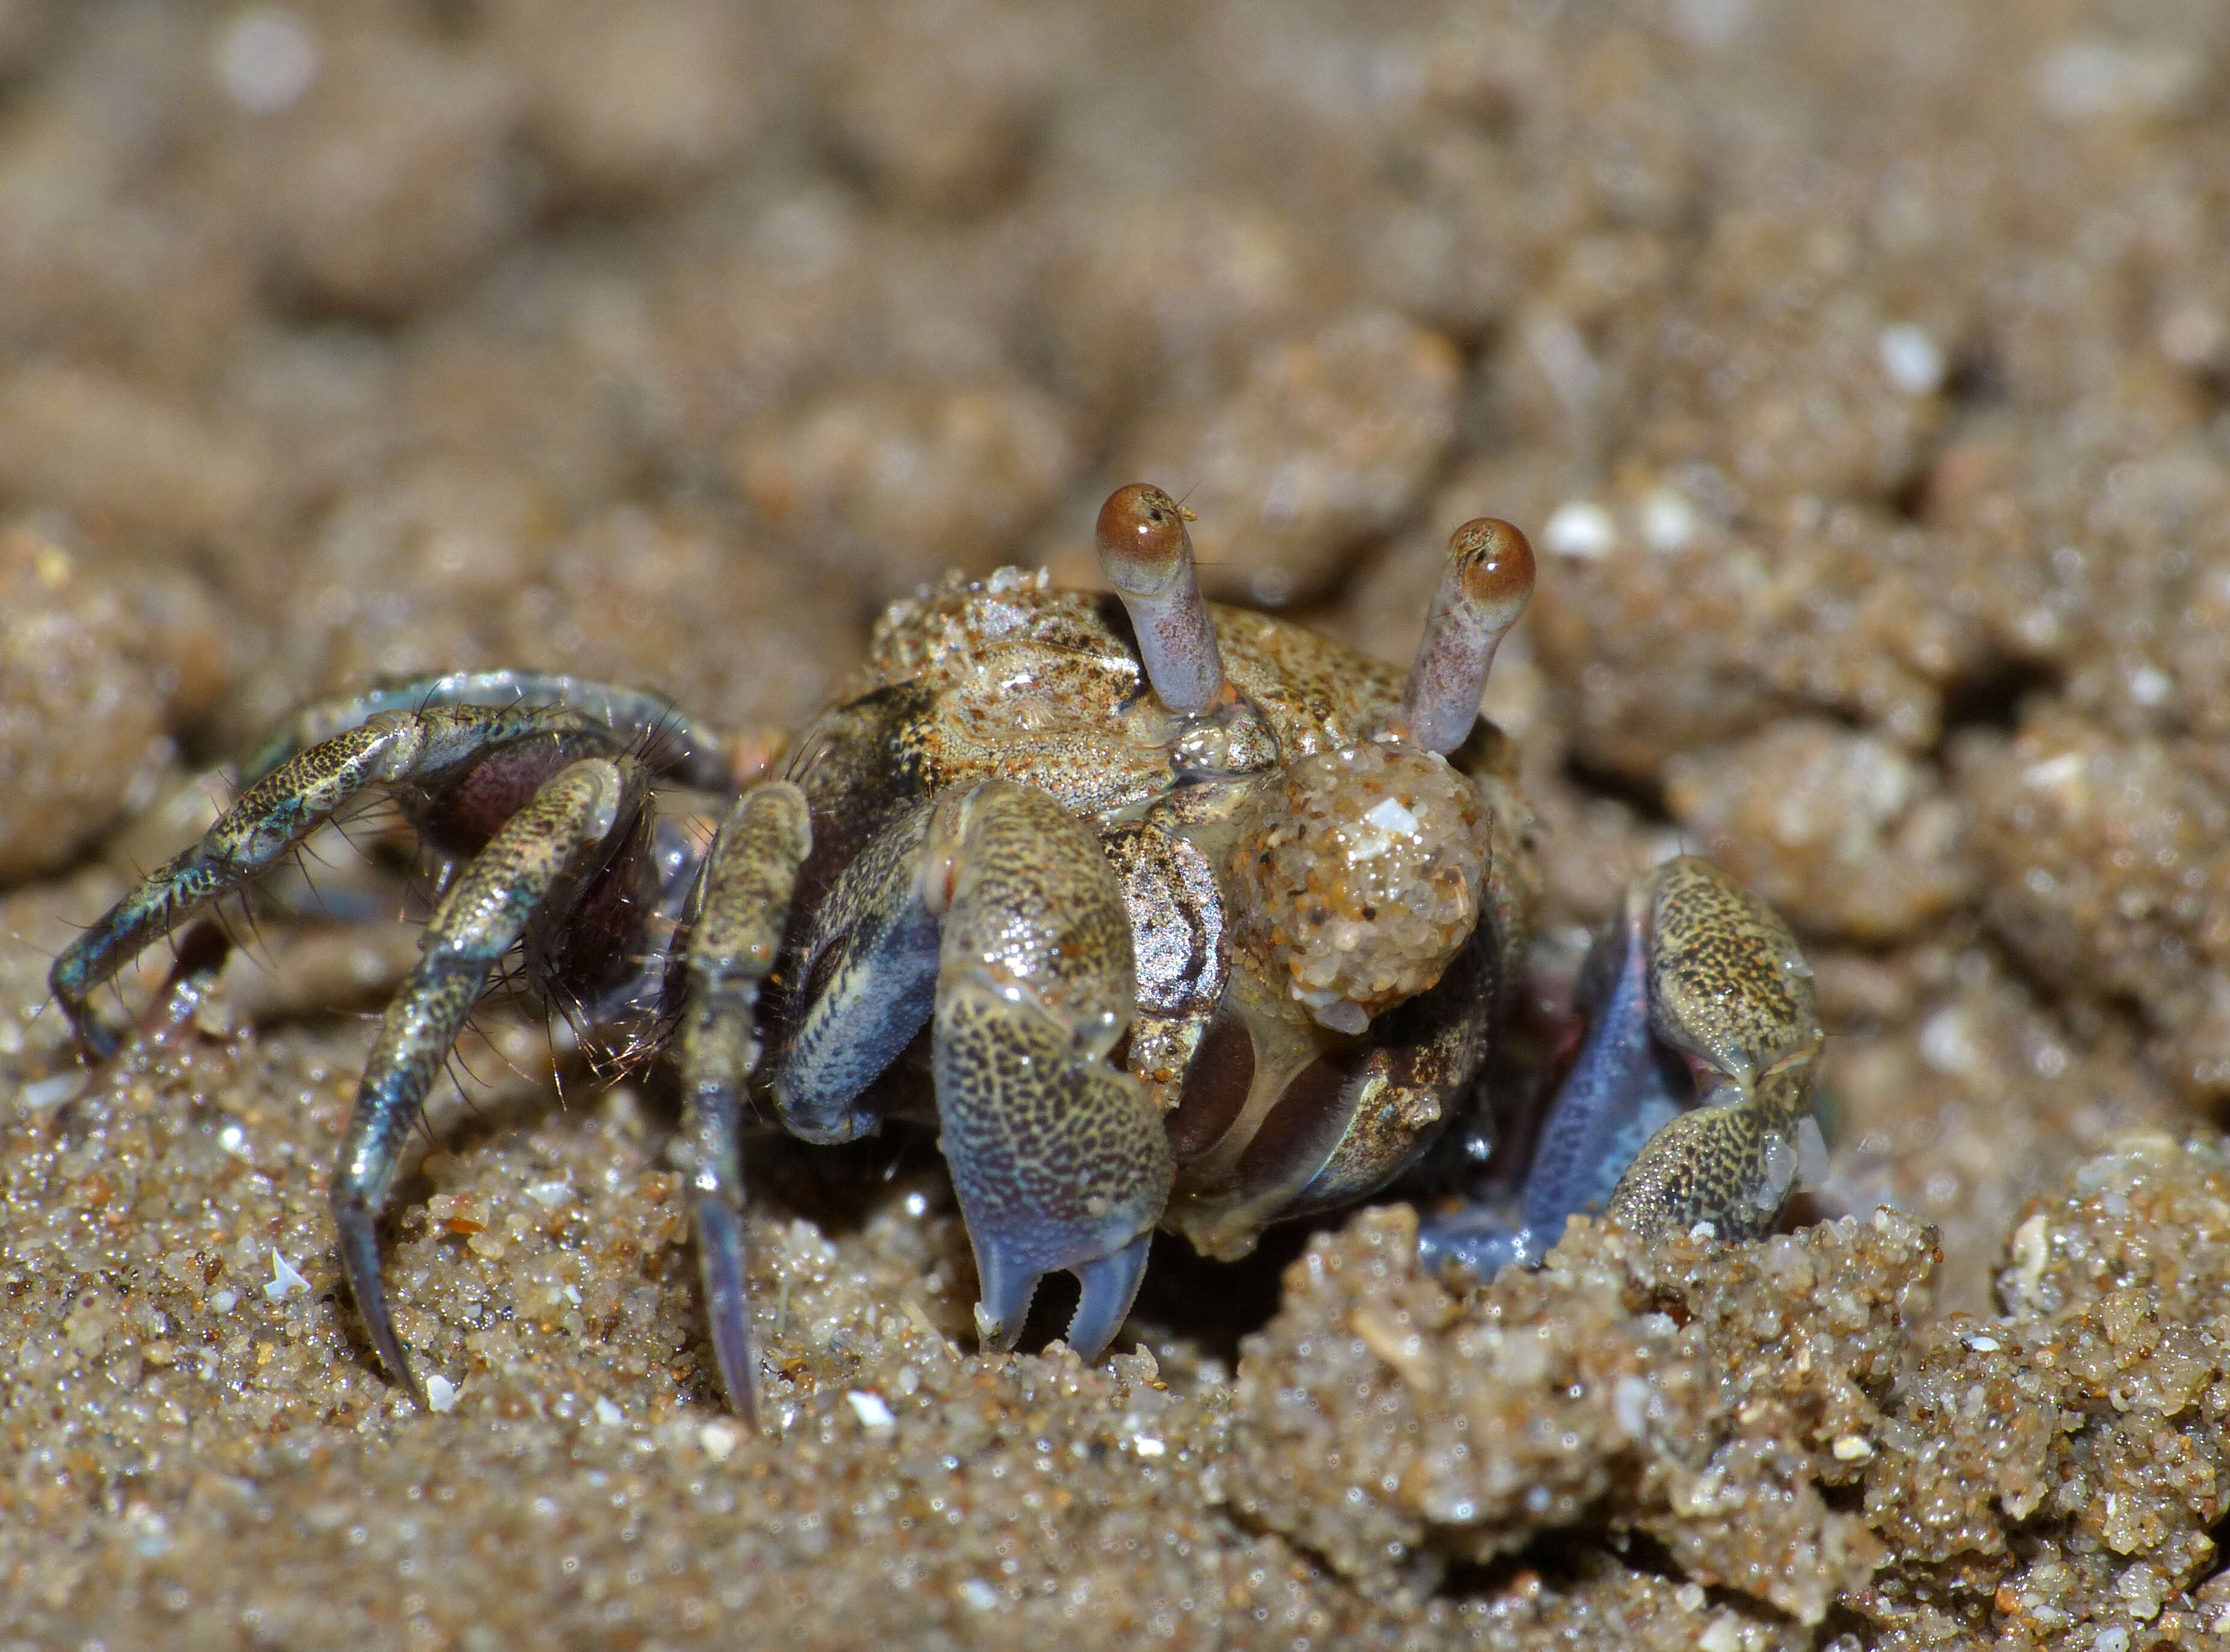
<point>1147,557</point>
<point>1489,579</point>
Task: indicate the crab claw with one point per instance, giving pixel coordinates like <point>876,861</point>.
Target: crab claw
<point>1731,994</point>
<point>1690,1099</point>
<point>1110,1284</point>
<point>1487,584</point>
<point>1147,557</point>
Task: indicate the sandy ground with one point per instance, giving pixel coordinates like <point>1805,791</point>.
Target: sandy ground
<point>1860,373</point>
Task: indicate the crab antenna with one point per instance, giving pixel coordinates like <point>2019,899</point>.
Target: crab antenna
<point>1489,577</point>
<point>1147,557</point>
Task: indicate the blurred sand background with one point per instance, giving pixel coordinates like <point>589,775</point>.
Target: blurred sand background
<point>1860,373</point>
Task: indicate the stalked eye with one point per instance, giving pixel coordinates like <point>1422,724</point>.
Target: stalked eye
<point>1147,557</point>
<point>1357,875</point>
<point>1484,589</point>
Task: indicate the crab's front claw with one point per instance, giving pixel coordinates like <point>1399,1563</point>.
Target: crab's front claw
<point>993,912</point>
<point>1060,1158</point>
<point>1690,1101</point>
<point>1060,1162</point>
<point>1730,990</point>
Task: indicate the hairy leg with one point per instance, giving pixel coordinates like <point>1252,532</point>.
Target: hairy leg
<point>542,857</point>
<point>749,877</point>
<point>670,742</point>
<point>271,817</point>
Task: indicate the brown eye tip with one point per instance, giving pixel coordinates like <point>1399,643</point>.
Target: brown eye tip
<point>1146,555</point>
<point>1495,561</point>
<point>1487,583</point>
<point>1141,533</point>
<point>1134,499</point>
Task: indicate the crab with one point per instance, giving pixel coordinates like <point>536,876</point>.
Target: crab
<point>1205,922</point>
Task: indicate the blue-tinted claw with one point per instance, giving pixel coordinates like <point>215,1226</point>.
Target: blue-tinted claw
<point>1007,1286</point>
<point>1690,1099</point>
<point>1110,1285</point>
<point>1623,1089</point>
<point>1060,1162</point>
<point>1479,1244</point>
<point>1004,1286</point>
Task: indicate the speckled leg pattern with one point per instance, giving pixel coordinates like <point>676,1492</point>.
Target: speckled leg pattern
<point>994,909</point>
<point>1690,1101</point>
<point>750,872</point>
<point>541,857</point>
<point>669,740</point>
<point>393,749</point>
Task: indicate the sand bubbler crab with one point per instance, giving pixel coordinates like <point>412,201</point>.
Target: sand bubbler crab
<point>1206,922</point>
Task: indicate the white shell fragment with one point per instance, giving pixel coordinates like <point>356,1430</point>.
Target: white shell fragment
<point>871,1409</point>
<point>285,1281</point>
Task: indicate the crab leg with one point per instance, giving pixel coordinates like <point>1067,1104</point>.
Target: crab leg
<point>750,874</point>
<point>265,821</point>
<point>543,853</point>
<point>997,907</point>
<point>1690,1099</point>
<point>664,736</point>
<point>869,980</point>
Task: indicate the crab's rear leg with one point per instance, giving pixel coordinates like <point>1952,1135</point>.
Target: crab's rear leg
<point>672,743</point>
<point>750,872</point>
<point>1001,903</point>
<point>1690,1099</point>
<point>266,822</point>
<point>540,859</point>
